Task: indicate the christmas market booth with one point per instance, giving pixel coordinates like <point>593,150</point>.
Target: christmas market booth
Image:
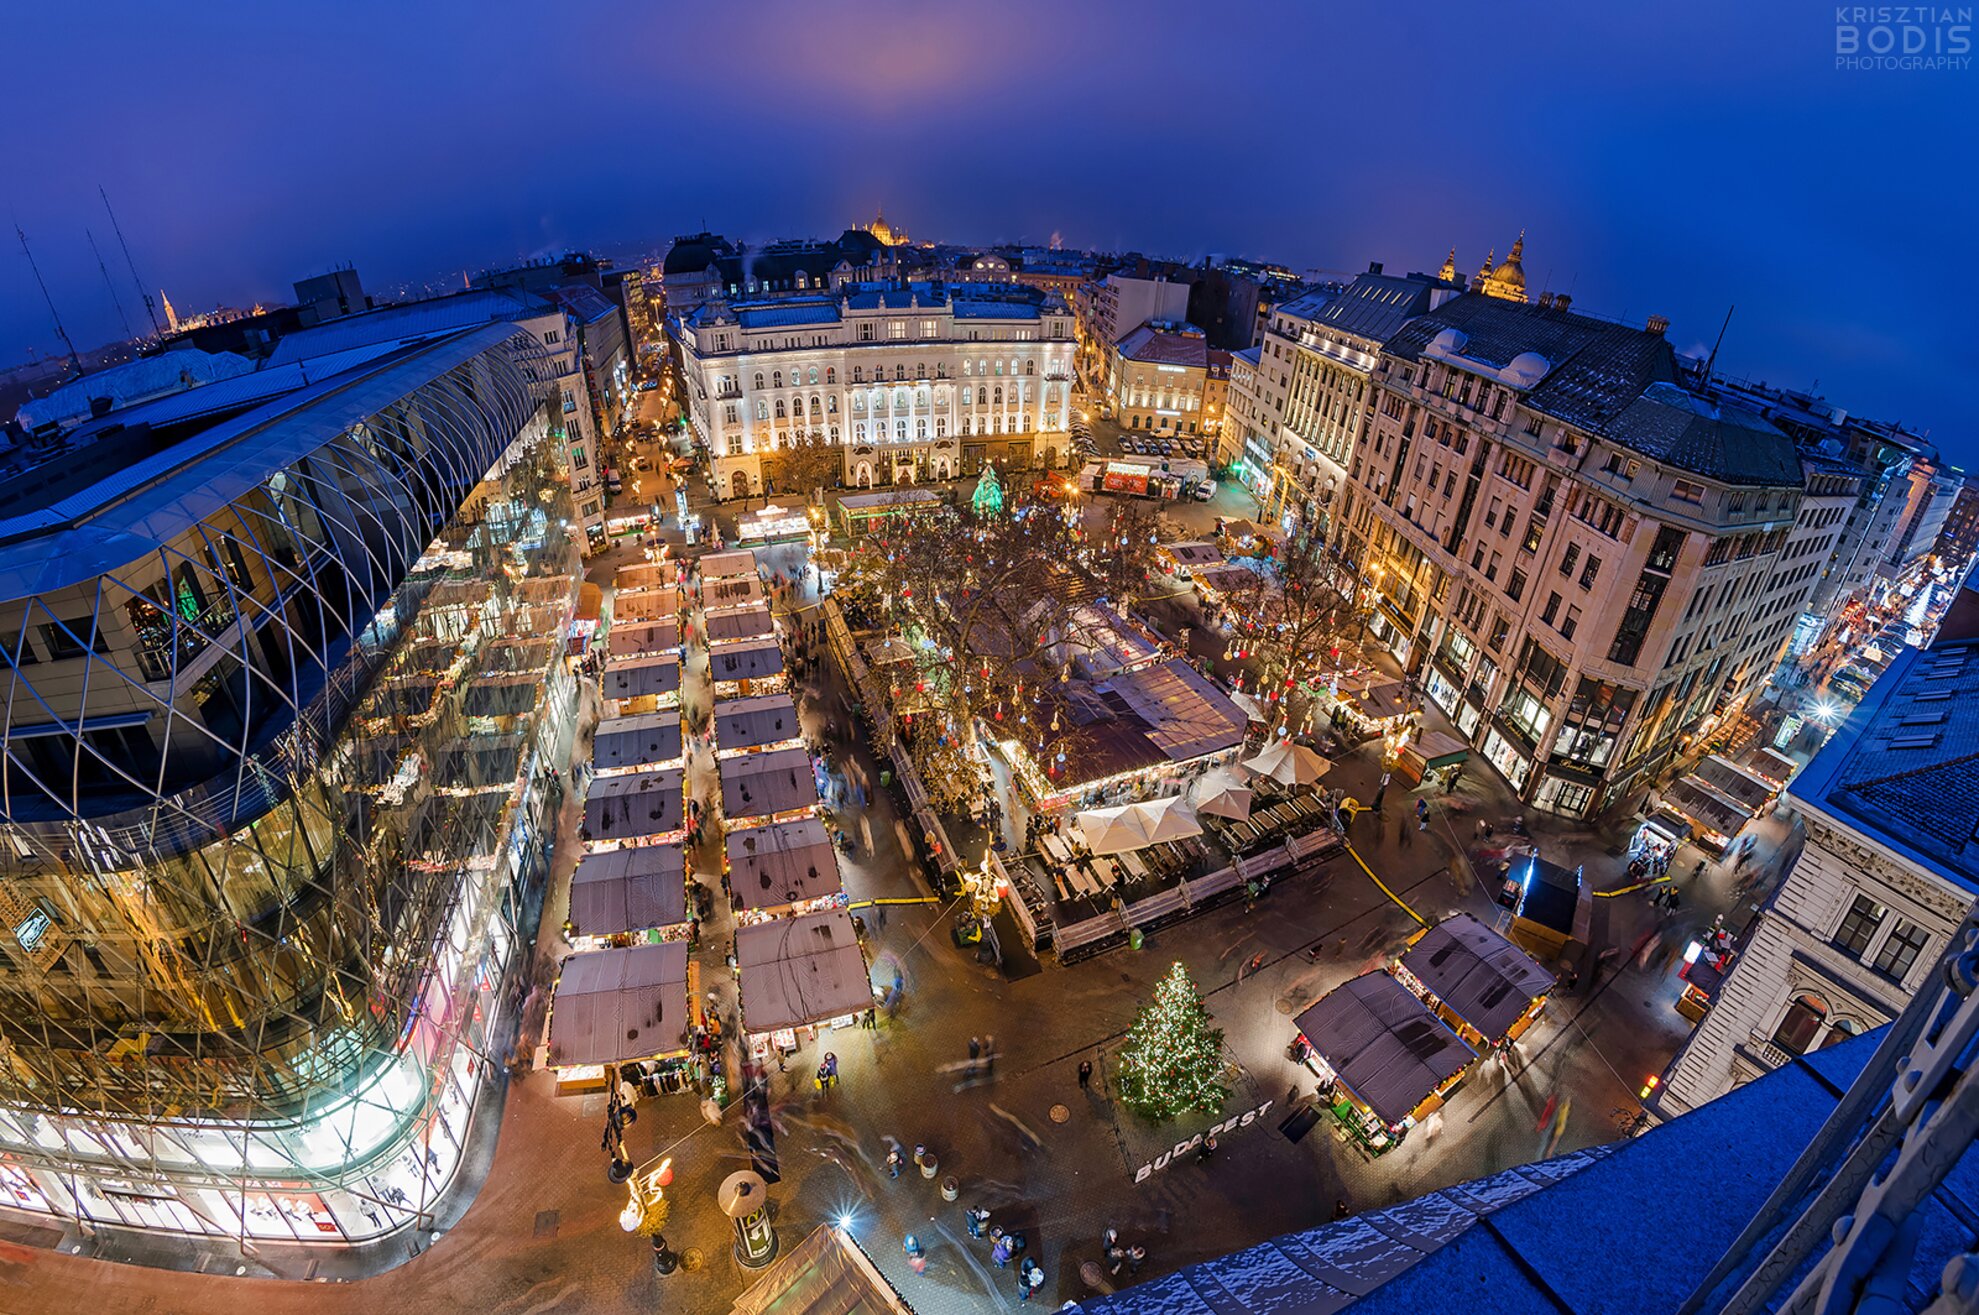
<point>858,513</point>
<point>642,684</point>
<point>825,1274</point>
<point>1474,979</point>
<point>726,625</point>
<point>647,575</point>
<point>767,721</point>
<point>782,868</point>
<point>1217,583</point>
<point>1430,754</point>
<point>1747,789</point>
<point>627,744</point>
<point>584,626</point>
<point>643,639</point>
<point>734,591</point>
<point>623,1008</point>
<point>637,808</point>
<point>634,894</point>
<point>774,524</point>
<point>768,787</point>
<point>1769,764</point>
<point>1125,738</point>
<point>734,565</point>
<point>800,977</point>
<point>1389,1061</point>
<point>632,605</point>
<point>1185,559</point>
<point>747,667</point>
<point>1707,963</point>
<point>1715,820</point>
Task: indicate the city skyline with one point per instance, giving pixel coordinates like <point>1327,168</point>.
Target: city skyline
<point>1709,171</point>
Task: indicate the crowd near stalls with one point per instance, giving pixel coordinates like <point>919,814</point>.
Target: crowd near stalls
<point>1390,1048</point>
<point>798,961</point>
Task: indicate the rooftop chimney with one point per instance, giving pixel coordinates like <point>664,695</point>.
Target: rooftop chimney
<point>1561,301</point>
<point>1546,301</point>
<point>1374,267</point>
<point>1658,324</point>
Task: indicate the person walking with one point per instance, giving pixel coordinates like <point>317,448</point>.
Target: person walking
<point>1086,1078</point>
<point>917,1256</point>
<point>976,1217</point>
<point>1422,814</point>
<point>1030,1277</point>
<point>975,1048</point>
<point>894,1161</point>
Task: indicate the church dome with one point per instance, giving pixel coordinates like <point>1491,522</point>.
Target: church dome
<point>1511,270</point>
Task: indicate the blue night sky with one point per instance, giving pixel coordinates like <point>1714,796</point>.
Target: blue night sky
<point>1673,158</point>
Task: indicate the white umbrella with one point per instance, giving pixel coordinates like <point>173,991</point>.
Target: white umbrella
<point>1112,830</point>
<point>1289,764</point>
<point>1224,798</point>
<point>1167,819</point>
<point>1250,705</point>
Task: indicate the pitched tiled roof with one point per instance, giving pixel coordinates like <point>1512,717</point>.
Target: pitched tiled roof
<point>1725,443</point>
<point>1593,369</point>
<point>1160,347</point>
<point>1376,305</point>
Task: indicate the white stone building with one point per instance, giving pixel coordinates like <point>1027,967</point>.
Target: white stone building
<point>911,381</point>
<point>1889,806</point>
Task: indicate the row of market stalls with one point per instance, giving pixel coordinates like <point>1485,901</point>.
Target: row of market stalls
<point>624,999</point>
<point>797,954</point>
<point>1391,1047</point>
<point>1711,806</point>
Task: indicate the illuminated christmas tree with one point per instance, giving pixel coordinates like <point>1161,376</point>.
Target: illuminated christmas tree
<point>988,497</point>
<point>1172,1061</point>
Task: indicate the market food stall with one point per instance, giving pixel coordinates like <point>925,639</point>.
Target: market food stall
<point>644,639</point>
<point>746,667</point>
<point>647,575</point>
<point>627,744</point>
<point>637,808</point>
<point>799,977</point>
<point>629,605</point>
<point>785,867</point>
<point>1716,820</point>
<point>773,524</point>
<point>734,591</point>
<point>1185,559</point>
<point>1389,1061</point>
<point>1747,789</point>
<point>751,725</point>
<point>765,787</point>
<point>729,565</point>
<point>1769,764</point>
<point>641,684</point>
<point>1475,980</point>
<point>634,894</point>
<point>1430,753</point>
<point>619,1008</point>
<point>858,512</point>
<point>1707,963</point>
<point>729,624</point>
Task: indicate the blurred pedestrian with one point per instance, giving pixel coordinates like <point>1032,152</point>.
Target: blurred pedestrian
<point>1085,1074</point>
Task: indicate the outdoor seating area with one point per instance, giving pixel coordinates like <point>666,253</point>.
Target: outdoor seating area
<point>1086,881</point>
<point>1270,823</point>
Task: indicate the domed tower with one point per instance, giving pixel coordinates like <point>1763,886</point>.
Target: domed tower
<point>1507,281</point>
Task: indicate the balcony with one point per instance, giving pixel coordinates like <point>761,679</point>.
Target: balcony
<point>1759,1048</point>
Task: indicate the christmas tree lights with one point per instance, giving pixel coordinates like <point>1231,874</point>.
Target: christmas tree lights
<point>1172,1061</point>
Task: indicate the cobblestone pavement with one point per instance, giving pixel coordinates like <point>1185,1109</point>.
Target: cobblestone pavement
<point>1020,1136</point>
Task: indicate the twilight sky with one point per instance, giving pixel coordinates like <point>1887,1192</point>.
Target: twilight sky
<point>1674,158</point>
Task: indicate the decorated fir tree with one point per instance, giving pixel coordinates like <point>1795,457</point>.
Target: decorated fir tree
<point>1172,1061</point>
<point>988,497</point>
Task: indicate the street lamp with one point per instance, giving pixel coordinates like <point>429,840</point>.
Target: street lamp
<point>646,1211</point>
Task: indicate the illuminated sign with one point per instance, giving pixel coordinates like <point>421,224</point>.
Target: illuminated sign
<point>31,930</point>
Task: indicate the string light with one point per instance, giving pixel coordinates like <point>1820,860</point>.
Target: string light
<point>1172,1061</point>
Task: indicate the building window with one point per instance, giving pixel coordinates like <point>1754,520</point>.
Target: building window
<point>1685,491</point>
<point>1551,610</point>
<point>1571,624</point>
<point>1900,951</point>
<point>1859,927</point>
<point>1797,1030</point>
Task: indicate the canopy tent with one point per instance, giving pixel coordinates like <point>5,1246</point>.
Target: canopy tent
<point>651,738</point>
<point>646,575</point>
<point>1479,975</point>
<point>626,890</point>
<point>1136,826</point>
<point>1289,763</point>
<point>645,605</point>
<point>783,863</point>
<point>754,659</point>
<point>617,1005</point>
<point>1220,796</point>
<point>801,970</point>
<point>1252,708</point>
<point>752,723</point>
<point>764,784</point>
<point>1384,1044</point>
<point>628,807</point>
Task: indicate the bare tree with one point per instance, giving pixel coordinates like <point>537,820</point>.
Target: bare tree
<point>1294,629</point>
<point>806,464</point>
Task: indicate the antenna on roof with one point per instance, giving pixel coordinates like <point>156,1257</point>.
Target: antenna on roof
<point>105,270</point>
<point>53,314</point>
<point>150,307</point>
<point>1712,359</point>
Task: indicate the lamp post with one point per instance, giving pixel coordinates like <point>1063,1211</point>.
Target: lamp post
<point>646,1212</point>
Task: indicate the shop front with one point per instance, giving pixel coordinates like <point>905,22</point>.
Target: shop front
<point>1512,764</point>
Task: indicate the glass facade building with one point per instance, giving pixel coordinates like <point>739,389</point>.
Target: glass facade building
<point>284,695</point>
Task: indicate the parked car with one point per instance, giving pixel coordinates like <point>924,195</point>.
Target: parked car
<point>1205,490</point>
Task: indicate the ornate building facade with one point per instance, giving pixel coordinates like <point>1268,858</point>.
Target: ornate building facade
<point>911,382</point>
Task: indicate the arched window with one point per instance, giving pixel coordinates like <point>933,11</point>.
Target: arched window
<point>920,429</point>
<point>900,429</point>
<point>779,408</point>
<point>762,409</point>
<point>920,370</point>
<point>759,379</point>
<point>858,374</point>
<point>831,404</point>
<point>831,374</point>
<point>999,367</point>
<point>982,395</point>
<point>1841,1030</point>
<point>965,369</point>
<point>1803,1020</point>
<point>1030,367</point>
<point>999,394</point>
<point>813,374</point>
<point>776,378</point>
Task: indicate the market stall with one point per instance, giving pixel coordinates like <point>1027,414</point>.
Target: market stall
<point>799,977</point>
<point>644,639</point>
<point>1769,764</point>
<point>1432,754</point>
<point>734,591</point>
<point>615,1008</point>
<point>632,605</point>
<point>1655,842</point>
<point>640,807</point>
<point>785,867</point>
<point>1388,1060</point>
<point>772,786</point>
<point>1747,789</point>
<point>751,725</point>
<point>1475,980</point>
<point>621,895</point>
<point>647,575</point>
<point>1707,963</point>
<point>745,668</point>
<point>624,744</point>
<point>727,625</point>
<point>729,565</point>
<point>773,524</point>
<point>859,512</point>
<point>1552,908</point>
<point>1185,559</point>
<point>641,684</point>
<point>1715,820</point>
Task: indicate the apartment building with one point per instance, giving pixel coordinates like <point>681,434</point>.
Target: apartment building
<point>1575,554</point>
<point>911,381</point>
<point>1114,307</point>
<point>1889,808</point>
<point>1156,377</point>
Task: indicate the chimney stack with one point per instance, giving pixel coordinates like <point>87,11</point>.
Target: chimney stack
<point>1546,301</point>
<point>1561,301</point>
<point>1374,267</point>
<point>1658,324</point>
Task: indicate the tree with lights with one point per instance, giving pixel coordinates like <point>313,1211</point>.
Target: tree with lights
<point>1290,628</point>
<point>1172,1061</point>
